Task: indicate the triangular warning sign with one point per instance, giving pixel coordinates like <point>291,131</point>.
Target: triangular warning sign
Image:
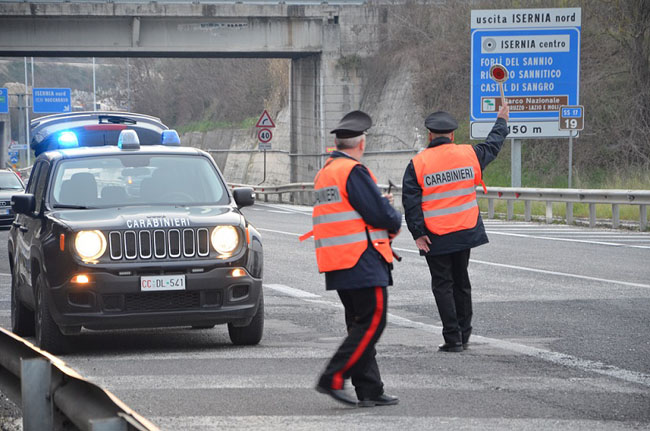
<point>265,120</point>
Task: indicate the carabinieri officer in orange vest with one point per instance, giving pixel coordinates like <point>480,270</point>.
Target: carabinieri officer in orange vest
<point>439,199</point>
<point>353,225</point>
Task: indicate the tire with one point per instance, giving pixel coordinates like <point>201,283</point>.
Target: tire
<point>47,333</point>
<point>252,333</point>
<point>22,318</point>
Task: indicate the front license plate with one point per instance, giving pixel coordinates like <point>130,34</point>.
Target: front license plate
<point>162,282</point>
<point>4,211</point>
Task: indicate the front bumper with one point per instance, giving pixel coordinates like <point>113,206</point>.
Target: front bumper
<point>7,219</point>
<point>112,301</point>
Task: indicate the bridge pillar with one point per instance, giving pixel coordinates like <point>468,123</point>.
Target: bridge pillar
<point>305,158</point>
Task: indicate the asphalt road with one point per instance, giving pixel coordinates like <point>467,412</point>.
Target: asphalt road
<point>561,322</point>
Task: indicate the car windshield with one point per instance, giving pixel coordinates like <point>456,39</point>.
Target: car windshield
<point>136,179</point>
<point>8,180</point>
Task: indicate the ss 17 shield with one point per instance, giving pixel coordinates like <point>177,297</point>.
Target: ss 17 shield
<point>265,135</point>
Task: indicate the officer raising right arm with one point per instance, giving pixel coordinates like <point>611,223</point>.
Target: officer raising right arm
<point>439,199</point>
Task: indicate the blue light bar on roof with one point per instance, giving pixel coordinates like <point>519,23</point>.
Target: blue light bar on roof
<point>170,137</point>
<point>67,139</point>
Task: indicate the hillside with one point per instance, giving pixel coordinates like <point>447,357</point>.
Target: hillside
<point>421,64</point>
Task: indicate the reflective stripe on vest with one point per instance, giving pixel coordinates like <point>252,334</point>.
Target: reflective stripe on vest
<point>340,233</point>
<point>331,218</point>
<point>351,239</point>
<point>447,175</point>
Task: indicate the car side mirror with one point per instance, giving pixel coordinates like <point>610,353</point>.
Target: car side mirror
<point>23,204</point>
<point>244,196</point>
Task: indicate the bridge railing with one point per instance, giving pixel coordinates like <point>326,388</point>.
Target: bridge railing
<point>50,392</point>
<point>303,194</point>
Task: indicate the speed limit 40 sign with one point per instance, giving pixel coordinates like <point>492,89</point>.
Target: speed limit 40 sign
<point>572,117</point>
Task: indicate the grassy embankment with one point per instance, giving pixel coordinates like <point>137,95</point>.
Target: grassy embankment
<point>497,174</point>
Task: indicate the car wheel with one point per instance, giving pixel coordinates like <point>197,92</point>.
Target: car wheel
<point>48,336</point>
<point>22,318</point>
<point>252,333</point>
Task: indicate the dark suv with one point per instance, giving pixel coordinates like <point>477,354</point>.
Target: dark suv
<point>132,236</point>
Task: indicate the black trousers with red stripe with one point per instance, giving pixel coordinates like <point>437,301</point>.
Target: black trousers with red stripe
<point>365,317</point>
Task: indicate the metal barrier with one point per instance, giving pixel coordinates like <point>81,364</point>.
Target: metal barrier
<point>51,393</point>
<point>302,194</point>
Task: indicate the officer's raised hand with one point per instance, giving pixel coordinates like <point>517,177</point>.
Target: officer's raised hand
<point>504,112</point>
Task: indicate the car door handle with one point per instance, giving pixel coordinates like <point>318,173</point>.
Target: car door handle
<point>20,226</point>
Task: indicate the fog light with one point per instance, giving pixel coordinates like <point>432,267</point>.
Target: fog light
<point>237,272</point>
<point>80,279</point>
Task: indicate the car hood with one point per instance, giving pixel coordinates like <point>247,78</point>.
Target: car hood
<point>158,217</point>
<point>6,194</point>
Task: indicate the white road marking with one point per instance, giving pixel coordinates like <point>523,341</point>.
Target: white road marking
<point>546,355</point>
<point>5,275</point>
<point>549,356</point>
<point>521,268</point>
<point>544,271</point>
<point>394,381</point>
<point>289,208</point>
<point>550,238</point>
<point>279,231</point>
<point>296,293</point>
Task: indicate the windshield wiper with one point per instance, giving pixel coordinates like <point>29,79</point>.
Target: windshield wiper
<point>77,207</point>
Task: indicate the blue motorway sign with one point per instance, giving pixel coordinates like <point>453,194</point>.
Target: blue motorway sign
<point>51,100</point>
<point>4,101</point>
<point>541,50</point>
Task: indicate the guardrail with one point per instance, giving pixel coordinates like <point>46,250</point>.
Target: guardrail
<point>302,194</point>
<point>50,392</point>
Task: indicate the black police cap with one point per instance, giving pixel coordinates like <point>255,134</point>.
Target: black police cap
<point>441,122</point>
<point>353,124</point>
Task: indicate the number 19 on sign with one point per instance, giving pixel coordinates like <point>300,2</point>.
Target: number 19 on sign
<point>572,118</point>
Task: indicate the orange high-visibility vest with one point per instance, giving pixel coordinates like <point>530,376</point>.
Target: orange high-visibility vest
<point>448,174</point>
<point>340,233</point>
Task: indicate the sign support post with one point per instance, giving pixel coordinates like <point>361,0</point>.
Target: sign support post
<point>515,162</point>
<point>264,175</point>
<point>570,157</point>
<point>264,136</point>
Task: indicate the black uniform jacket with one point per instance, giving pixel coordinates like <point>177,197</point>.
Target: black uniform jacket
<point>412,199</point>
<point>371,270</point>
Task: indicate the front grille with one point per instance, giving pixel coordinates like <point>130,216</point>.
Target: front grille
<point>157,301</point>
<point>159,244</point>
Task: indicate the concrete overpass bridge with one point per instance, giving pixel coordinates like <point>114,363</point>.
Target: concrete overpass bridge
<point>314,36</point>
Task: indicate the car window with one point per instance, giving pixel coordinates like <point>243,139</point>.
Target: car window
<point>137,179</point>
<point>33,178</point>
<point>9,181</point>
<point>40,186</point>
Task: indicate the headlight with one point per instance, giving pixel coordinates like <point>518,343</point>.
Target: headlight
<point>225,239</point>
<point>90,244</point>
